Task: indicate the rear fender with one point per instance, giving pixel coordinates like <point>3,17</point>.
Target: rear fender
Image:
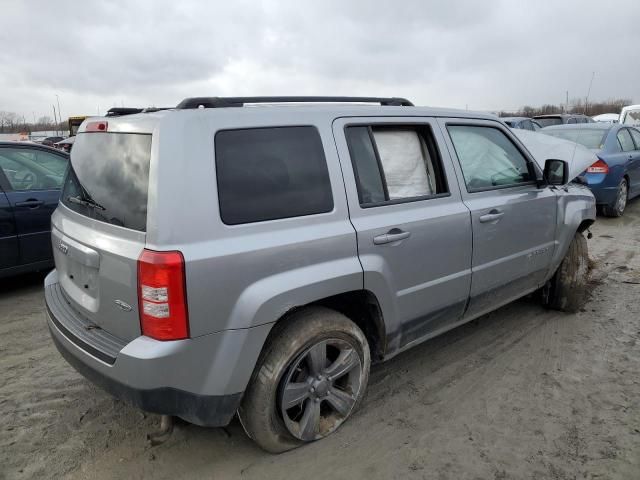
<point>270,298</point>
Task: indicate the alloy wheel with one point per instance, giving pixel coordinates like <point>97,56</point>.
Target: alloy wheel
<point>320,389</point>
<point>621,201</point>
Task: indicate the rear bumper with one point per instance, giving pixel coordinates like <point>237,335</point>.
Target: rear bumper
<point>200,380</point>
<point>206,410</point>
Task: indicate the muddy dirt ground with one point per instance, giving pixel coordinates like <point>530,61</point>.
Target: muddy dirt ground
<point>522,393</point>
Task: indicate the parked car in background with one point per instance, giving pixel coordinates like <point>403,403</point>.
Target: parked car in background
<point>561,119</point>
<point>318,238</point>
<point>31,176</point>
<point>524,123</point>
<point>615,177</point>
<point>50,141</point>
<point>606,118</point>
<point>630,115</point>
<point>65,145</point>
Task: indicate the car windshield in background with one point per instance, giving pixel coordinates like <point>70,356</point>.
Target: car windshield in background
<point>589,137</point>
<point>632,117</point>
<point>109,178</point>
<point>548,121</point>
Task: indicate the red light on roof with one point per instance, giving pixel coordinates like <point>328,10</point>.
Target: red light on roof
<point>96,127</point>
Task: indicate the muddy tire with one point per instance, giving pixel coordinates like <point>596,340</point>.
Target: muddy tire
<point>567,289</point>
<point>616,209</point>
<point>311,376</point>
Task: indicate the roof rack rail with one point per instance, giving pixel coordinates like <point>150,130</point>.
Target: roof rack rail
<point>120,111</point>
<point>221,102</point>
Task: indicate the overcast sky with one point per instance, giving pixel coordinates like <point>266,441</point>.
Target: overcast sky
<point>488,55</point>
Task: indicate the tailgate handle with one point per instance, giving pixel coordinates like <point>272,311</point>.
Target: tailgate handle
<point>493,216</point>
<point>393,235</point>
<point>30,203</point>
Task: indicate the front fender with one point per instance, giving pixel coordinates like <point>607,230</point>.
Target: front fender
<point>576,204</point>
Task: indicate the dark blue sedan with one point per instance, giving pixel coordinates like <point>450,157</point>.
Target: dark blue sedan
<point>30,179</point>
<point>615,177</point>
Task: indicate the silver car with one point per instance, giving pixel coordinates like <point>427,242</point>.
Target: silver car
<point>221,258</point>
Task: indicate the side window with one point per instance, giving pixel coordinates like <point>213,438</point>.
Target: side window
<point>572,120</point>
<point>488,158</point>
<point>24,171</point>
<point>624,137</point>
<point>395,163</point>
<point>535,126</point>
<point>636,137</point>
<point>54,163</point>
<point>270,173</point>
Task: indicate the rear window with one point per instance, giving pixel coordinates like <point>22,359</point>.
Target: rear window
<point>109,178</point>
<point>271,173</point>
<point>548,121</point>
<point>589,137</point>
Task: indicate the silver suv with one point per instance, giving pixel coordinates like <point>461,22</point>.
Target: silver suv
<point>220,258</point>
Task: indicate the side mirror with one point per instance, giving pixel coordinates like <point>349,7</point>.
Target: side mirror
<point>556,172</point>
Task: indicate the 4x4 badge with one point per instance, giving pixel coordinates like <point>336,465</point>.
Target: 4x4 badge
<point>63,247</point>
<point>124,306</point>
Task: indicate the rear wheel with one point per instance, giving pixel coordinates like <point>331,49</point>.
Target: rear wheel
<point>567,289</point>
<point>617,208</point>
<point>311,376</point>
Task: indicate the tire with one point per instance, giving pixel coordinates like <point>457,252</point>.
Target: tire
<point>617,208</point>
<point>285,372</point>
<point>567,289</point>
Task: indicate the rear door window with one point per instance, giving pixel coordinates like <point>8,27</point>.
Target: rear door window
<point>395,163</point>
<point>624,137</point>
<point>488,158</point>
<point>271,173</point>
<point>636,137</point>
<point>30,169</point>
<point>108,178</point>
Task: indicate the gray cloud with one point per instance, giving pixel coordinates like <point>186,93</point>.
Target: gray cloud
<point>488,55</point>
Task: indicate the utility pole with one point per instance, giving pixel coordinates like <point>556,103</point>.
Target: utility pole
<point>55,119</point>
<point>59,111</point>
<point>567,104</point>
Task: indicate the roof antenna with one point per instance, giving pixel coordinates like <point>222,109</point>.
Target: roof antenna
<point>584,112</point>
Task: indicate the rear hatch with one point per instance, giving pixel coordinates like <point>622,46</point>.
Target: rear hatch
<point>99,229</point>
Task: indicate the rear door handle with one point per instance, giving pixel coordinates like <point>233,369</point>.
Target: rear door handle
<point>31,203</point>
<point>492,216</point>
<point>393,235</point>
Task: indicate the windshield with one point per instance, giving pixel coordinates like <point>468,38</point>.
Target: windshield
<point>589,137</point>
<point>109,178</point>
<point>632,117</point>
<point>548,121</point>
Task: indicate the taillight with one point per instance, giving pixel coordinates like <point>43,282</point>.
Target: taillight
<point>162,295</point>
<point>96,127</point>
<point>599,167</point>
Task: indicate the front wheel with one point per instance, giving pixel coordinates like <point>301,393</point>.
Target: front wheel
<point>567,289</point>
<point>310,378</point>
<point>617,208</point>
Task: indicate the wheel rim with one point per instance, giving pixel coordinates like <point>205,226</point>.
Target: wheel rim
<point>621,202</point>
<point>320,389</point>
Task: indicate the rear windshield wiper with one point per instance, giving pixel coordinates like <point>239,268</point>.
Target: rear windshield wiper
<point>85,202</point>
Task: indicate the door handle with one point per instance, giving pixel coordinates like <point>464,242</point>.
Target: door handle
<point>393,235</point>
<point>31,203</point>
<point>492,216</point>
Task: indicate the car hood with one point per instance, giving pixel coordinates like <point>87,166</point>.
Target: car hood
<point>543,147</point>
